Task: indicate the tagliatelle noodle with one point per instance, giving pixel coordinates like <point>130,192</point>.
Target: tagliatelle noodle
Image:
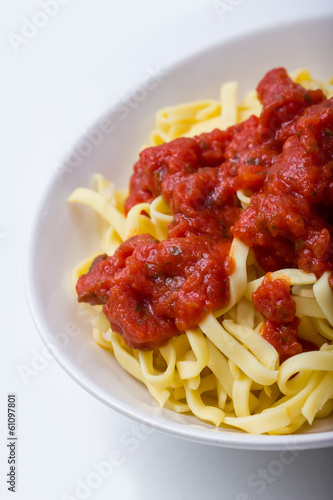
<point>255,343</point>
<point>318,397</point>
<point>100,204</point>
<point>304,77</point>
<point>201,410</point>
<point>175,121</point>
<point>322,328</point>
<point>304,362</point>
<point>261,423</point>
<point>244,198</point>
<point>241,396</point>
<point>188,369</point>
<point>238,279</point>
<point>160,217</point>
<point>222,372</point>
<point>308,332</point>
<point>137,223</point>
<point>133,366</point>
<point>324,296</point>
<point>159,380</point>
<point>237,352</point>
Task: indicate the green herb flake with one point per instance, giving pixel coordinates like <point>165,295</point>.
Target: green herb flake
<point>308,98</point>
<point>299,244</point>
<point>299,133</point>
<point>155,276</point>
<point>158,174</point>
<point>252,161</point>
<point>189,167</point>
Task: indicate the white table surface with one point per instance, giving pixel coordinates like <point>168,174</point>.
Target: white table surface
<point>54,85</point>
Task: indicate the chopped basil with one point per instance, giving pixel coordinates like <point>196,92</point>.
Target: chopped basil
<point>252,161</point>
<point>189,167</point>
<point>307,98</point>
<point>158,174</point>
<point>299,244</point>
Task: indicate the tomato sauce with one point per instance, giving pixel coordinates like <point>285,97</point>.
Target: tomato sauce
<point>284,337</point>
<point>152,290</point>
<point>273,300</point>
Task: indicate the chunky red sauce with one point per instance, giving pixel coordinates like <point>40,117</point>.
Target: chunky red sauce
<point>153,290</point>
<point>273,300</point>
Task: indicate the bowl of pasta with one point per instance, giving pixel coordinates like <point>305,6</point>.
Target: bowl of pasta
<point>180,264</point>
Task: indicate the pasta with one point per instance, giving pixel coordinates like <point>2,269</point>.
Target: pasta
<point>223,371</point>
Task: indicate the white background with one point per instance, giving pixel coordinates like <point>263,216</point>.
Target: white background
<point>52,88</point>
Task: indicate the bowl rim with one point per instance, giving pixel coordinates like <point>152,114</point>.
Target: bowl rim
<point>215,436</point>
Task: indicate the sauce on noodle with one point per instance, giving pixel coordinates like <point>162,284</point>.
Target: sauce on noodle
<point>152,291</point>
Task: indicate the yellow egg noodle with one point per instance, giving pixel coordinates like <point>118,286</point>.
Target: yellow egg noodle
<point>223,372</point>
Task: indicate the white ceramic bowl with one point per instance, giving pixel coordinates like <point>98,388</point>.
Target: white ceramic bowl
<point>64,235</point>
